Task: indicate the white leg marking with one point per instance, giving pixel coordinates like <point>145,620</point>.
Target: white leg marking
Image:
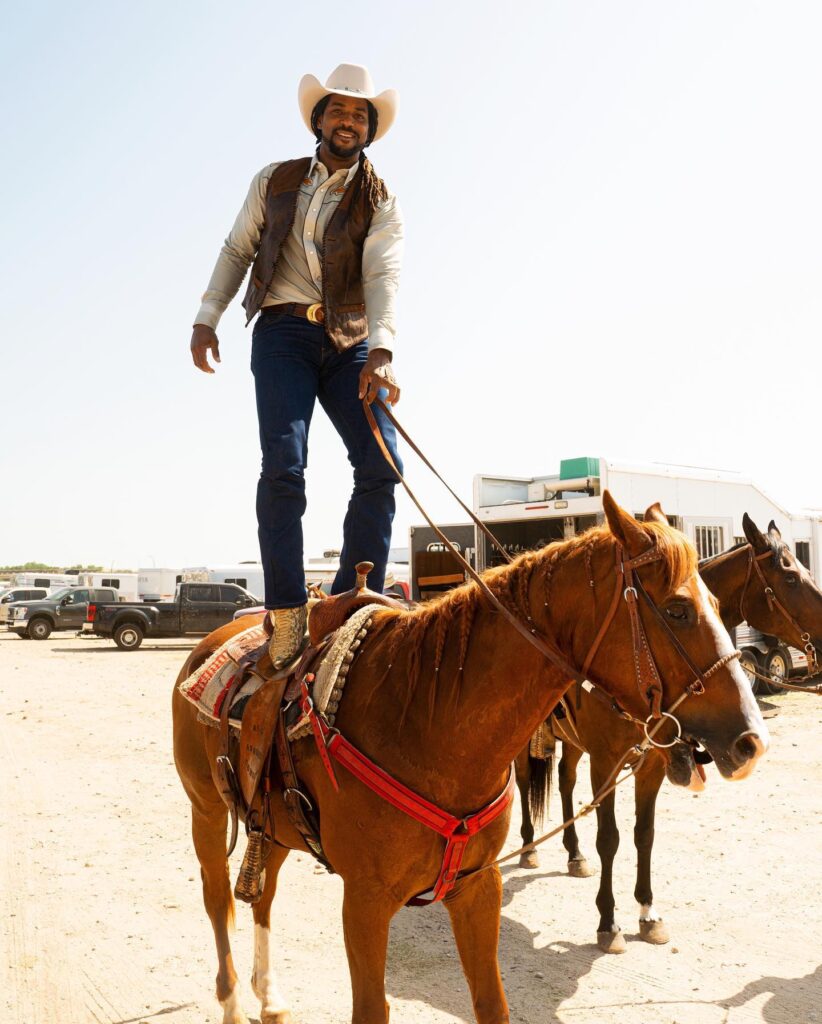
<point>647,913</point>
<point>232,1010</point>
<point>263,980</point>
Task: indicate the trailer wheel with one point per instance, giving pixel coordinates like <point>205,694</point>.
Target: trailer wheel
<point>128,636</point>
<point>777,666</point>
<point>749,660</point>
<point>39,629</point>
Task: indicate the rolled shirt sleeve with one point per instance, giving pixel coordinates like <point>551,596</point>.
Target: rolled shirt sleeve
<point>381,262</point>
<point>238,252</point>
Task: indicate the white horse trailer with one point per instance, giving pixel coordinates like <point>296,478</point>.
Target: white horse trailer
<point>248,575</point>
<point>706,504</point>
<point>125,583</point>
<point>158,584</point>
<point>49,581</point>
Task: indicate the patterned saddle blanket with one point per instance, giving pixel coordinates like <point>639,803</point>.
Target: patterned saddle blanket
<point>207,686</point>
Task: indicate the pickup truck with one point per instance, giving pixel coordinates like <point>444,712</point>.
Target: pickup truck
<point>196,608</point>
<point>66,609</point>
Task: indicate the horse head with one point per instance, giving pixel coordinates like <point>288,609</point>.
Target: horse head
<point>666,649</point>
<point>780,596</point>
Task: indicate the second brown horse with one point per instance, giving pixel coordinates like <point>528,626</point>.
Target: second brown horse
<point>589,726</point>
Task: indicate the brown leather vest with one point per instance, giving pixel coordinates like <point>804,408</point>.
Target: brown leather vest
<point>341,250</point>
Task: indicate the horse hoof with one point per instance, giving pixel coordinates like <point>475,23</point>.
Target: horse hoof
<point>579,868</point>
<point>612,942</point>
<point>280,1017</point>
<point>654,932</point>
<point>529,859</point>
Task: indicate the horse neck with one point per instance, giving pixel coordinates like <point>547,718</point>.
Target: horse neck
<point>726,578</point>
<point>470,722</point>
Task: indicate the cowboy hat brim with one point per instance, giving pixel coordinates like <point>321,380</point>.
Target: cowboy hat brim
<point>311,91</point>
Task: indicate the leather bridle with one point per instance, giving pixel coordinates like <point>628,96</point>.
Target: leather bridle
<point>774,602</point>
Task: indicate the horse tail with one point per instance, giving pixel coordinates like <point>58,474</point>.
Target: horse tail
<point>540,772</point>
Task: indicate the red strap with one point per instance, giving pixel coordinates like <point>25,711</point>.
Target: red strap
<point>457,831</point>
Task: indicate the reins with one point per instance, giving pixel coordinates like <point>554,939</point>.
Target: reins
<point>627,583</point>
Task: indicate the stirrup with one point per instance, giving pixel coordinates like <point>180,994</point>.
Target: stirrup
<point>251,877</point>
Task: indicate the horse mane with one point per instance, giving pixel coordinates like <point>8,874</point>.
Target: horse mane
<point>455,611</point>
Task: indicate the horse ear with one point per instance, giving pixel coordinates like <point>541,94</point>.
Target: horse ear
<point>624,527</point>
<point>753,534</point>
<point>773,531</point>
<point>654,514</point>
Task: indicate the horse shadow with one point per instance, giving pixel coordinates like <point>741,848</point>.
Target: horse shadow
<point>792,999</point>
<point>536,979</point>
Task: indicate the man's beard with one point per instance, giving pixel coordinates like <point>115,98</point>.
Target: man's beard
<point>343,152</point>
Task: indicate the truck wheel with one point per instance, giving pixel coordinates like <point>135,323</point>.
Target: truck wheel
<point>39,629</point>
<point>777,666</point>
<point>749,660</point>
<point>128,636</point>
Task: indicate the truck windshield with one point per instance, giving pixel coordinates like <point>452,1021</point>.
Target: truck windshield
<point>58,594</point>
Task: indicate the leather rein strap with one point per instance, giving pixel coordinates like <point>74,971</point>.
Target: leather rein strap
<point>774,602</point>
<point>627,584</point>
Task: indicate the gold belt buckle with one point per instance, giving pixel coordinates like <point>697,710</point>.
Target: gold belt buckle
<point>315,313</point>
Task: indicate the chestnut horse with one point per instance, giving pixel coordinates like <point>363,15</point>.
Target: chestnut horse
<point>591,727</point>
<point>443,698</point>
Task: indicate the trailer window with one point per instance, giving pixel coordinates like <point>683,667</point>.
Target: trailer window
<point>42,583</point>
<point>113,582</point>
<point>239,581</point>
<point>803,553</point>
<point>708,540</point>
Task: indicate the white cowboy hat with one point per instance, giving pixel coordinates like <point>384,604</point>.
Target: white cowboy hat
<point>349,80</point>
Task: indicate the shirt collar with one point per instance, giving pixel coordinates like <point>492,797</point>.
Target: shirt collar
<point>348,178</point>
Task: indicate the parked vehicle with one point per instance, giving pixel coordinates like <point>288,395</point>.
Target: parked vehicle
<point>51,582</point>
<point>248,575</point>
<point>158,584</point>
<point>196,608</point>
<point>125,583</point>
<point>23,594</point>
<point>37,620</point>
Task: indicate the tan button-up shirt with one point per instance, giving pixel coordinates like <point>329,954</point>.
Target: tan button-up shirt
<point>298,277</point>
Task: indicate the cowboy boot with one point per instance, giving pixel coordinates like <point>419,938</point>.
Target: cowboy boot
<point>287,634</point>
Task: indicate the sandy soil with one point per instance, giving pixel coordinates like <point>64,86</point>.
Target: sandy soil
<point>102,919</point>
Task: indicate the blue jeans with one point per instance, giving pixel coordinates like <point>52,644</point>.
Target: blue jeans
<point>294,364</point>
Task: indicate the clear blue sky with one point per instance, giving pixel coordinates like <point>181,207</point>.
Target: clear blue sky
<point>613,219</point>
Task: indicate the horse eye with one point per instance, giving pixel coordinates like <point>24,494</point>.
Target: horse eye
<point>678,612</point>
<point>792,579</point>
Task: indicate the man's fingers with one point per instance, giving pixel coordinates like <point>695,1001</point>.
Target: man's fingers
<point>215,351</point>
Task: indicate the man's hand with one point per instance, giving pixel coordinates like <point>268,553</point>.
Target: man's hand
<point>202,339</point>
<point>376,374</point>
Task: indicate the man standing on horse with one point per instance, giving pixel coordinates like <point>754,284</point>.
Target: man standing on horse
<point>324,235</point>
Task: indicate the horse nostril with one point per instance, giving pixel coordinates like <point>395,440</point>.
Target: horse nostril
<point>747,747</point>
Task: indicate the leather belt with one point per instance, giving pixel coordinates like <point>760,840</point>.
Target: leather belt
<point>314,313</point>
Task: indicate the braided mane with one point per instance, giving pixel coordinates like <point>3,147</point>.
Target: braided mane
<point>452,616</point>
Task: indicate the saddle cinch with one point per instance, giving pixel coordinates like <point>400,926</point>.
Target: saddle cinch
<point>260,759</point>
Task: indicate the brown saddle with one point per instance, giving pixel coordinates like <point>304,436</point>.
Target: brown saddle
<point>262,731</point>
<point>327,616</point>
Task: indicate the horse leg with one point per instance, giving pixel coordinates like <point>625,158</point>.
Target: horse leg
<point>522,767</point>
<point>609,935</point>
<point>578,866</point>
<point>474,907</point>
<point>366,920</point>
<point>646,787</point>
<point>273,1006</point>
<point>208,828</point>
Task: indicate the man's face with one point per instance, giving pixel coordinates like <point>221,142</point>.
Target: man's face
<point>344,125</point>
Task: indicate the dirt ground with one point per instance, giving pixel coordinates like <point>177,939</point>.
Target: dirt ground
<point>102,918</point>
